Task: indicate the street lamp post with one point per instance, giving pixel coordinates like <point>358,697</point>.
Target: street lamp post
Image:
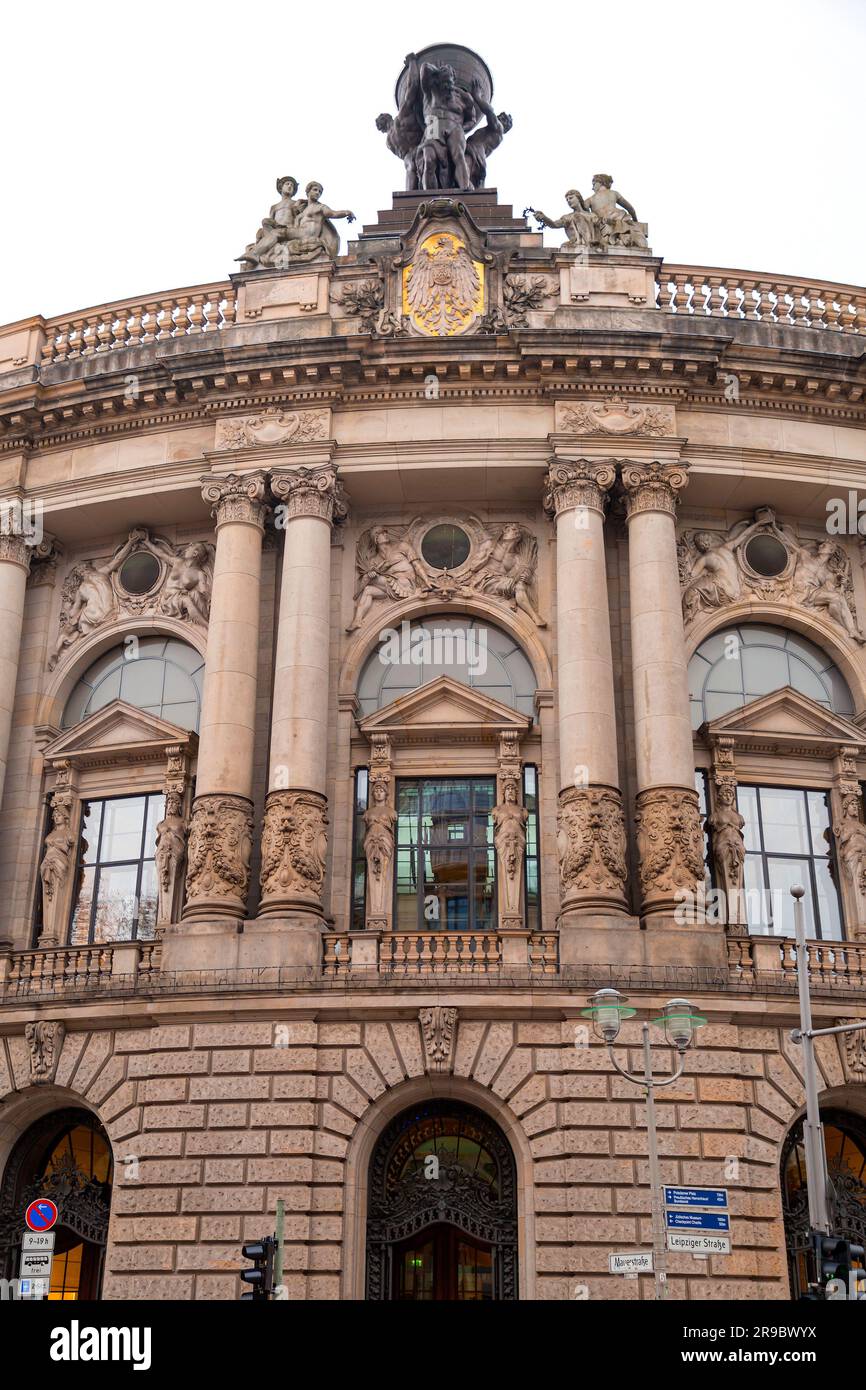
<point>607,1009</point>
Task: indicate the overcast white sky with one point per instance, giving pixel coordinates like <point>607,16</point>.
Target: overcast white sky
<point>141,141</point>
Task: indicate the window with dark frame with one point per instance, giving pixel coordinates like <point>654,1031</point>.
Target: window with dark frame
<point>789,841</point>
<point>445,876</point>
<point>532,883</point>
<point>116,892</point>
<point>358,904</point>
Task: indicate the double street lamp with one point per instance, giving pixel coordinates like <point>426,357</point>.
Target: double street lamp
<point>607,1009</point>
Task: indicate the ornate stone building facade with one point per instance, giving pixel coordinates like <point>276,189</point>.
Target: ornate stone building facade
<point>397,646</point>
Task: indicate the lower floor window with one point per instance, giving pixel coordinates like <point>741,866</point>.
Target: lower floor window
<point>789,842</point>
<point>116,894</point>
<point>445,862</point>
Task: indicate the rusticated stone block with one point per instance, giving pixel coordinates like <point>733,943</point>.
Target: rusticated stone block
<point>323,1257</point>
<point>340,1034</point>
<point>496,1046</point>
<point>208,1257</point>
<point>118,1102</point>
<point>540,1119</point>
<point>173,1117</point>
<point>168,1064</point>
<point>73,1046</point>
<point>131,1199</point>
<point>227,1142</point>
<point>144,1257</point>
<point>95,1056</point>
<point>548,1145</point>
<point>327,1199</point>
<point>290,1170</point>
<point>574,1086</point>
<point>234,1034</point>
<point>380,1045</point>
<point>216,1287</point>
<point>108,1079</point>
<point>285,1059</point>
<point>126,1125</point>
<point>229,1087</point>
<point>362,1071</point>
<point>671,1142</point>
<point>153,1145</point>
<point>152,1039</point>
<point>222,1199</point>
<point>291,1141</point>
<point>589,1113</point>
<point>324,1287</point>
<point>162,1090</point>
<point>707,1117</point>
<point>294,1086</point>
<point>283,1114</point>
<point>768,1098</point>
<point>407,1037</point>
<point>227,1115</point>
<point>347,1095</point>
<point>220,1228</point>
<point>330,1145</point>
<point>539,1033</point>
<point>224,1170</point>
<point>724,1088</point>
<point>533,1092</point>
<point>136,1288</point>
<point>516,1070</point>
<point>147,1229</point>
<point>337,1120</point>
<point>232,1060</point>
<point>827,1053</point>
<point>174,1171</point>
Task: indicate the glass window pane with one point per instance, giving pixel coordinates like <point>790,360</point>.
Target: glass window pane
<point>764,669</point>
<point>147,904</point>
<point>747,804</point>
<point>122,826</point>
<point>783,816</point>
<point>90,832</point>
<point>80,925</point>
<point>757,906</point>
<point>819,820</point>
<point>104,693</point>
<point>722,704</point>
<point>155,813</point>
<point>785,874</point>
<point>828,903</point>
<point>727,674</point>
<point>116,903</point>
<point>142,682</point>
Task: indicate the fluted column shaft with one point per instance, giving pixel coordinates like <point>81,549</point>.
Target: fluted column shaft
<point>222,819</point>
<point>670,841</point>
<point>294,841</point>
<point>591,835</point>
<point>14,567</point>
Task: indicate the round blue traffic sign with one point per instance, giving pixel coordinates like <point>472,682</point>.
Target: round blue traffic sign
<point>41,1214</point>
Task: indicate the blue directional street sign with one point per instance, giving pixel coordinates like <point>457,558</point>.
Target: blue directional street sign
<point>697,1220</point>
<point>696,1197</point>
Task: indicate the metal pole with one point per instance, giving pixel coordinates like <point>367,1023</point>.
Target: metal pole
<point>813,1134</point>
<point>278,1237</point>
<point>659,1252</point>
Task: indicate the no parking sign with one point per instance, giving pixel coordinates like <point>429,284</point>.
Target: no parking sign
<point>41,1214</point>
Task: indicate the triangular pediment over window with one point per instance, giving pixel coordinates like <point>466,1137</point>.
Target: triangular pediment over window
<point>118,732</point>
<point>783,721</point>
<point>447,709</point>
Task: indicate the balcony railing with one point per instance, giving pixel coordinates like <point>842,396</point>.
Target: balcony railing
<point>134,323</point>
<point>740,294</point>
<point>407,955</point>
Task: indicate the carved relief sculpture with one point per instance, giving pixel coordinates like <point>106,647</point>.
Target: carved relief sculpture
<point>670,843</point>
<point>715,572</point>
<point>170,856</point>
<point>58,856</point>
<point>606,219</point>
<point>272,426</point>
<point>220,844</point>
<point>854,1048</point>
<point>380,819</point>
<point>509,838</point>
<point>388,567</point>
<point>616,416</point>
<point>505,567</point>
<point>92,595</point>
<point>44,1042</point>
<point>294,848</point>
<point>591,844</point>
<point>296,230</point>
<point>443,286</point>
<point>729,849</point>
<point>850,834</point>
<point>438,1027</point>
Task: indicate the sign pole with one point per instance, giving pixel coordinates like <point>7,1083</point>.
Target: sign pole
<point>813,1133</point>
<point>655,1179</point>
<point>278,1236</point>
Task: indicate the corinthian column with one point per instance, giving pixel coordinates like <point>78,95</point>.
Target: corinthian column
<point>294,839</point>
<point>221,828</point>
<point>670,842</point>
<point>590,831</point>
<point>14,567</point>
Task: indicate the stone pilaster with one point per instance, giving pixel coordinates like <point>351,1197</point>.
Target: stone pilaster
<point>220,838</point>
<point>670,841</point>
<point>14,568</point>
<point>590,830</point>
<point>294,838</point>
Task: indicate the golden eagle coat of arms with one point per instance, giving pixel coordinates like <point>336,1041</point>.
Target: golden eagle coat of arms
<point>443,288</point>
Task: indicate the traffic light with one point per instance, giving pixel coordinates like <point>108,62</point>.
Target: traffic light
<point>261,1276</point>
<point>835,1258</point>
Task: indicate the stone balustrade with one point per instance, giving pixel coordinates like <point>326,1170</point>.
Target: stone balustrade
<point>134,323</point>
<point>692,289</point>
<point>413,954</point>
<point>839,965</point>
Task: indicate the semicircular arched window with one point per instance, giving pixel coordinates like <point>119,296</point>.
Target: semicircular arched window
<point>738,664</point>
<point>164,678</point>
<point>474,653</point>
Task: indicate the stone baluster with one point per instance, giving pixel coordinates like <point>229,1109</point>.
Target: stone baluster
<point>294,838</point>
<point>591,835</point>
<point>221,828</point>
<point>670,841</point>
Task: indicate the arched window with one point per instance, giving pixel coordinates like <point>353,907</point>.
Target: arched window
<point>65,1156</point>
<point>738,664</point>
<point>157,674</point>
<point>845,1146</point>
<point>472,652</point>
<point>442,1215</point>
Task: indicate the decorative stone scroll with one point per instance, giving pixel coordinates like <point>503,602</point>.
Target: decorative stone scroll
<point>653,487</point>
<point>272,426</point>
<point>502,564</point>
<point>670,844</point>
<point>44,1042</point>
<point>577,484</point>
<point>93,594</point>
<point>614,416</point>
<point>294,849</point>
<point>220,844</point>
<point>718,569</point>
<point>591,843</point>
<point>438,1028</point>
<point>310,492</point>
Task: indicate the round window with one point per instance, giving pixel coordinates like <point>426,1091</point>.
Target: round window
<point>445,547</point>
<point>139,572</point>
<point>766,556</point>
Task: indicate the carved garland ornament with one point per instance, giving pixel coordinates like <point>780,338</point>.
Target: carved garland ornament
<point>220,844</point>
<point>272,426</point>
<point>616,416</point>
<point>294,845</point>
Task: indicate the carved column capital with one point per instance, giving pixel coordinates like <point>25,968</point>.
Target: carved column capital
<point>591,844</point>
<point>294,851</point>
<point>43,561</point>
<point>653,487</point>
<point>14,549</point>
<point>315,492</point>
<point>577,483</point>
<point>237,497</point>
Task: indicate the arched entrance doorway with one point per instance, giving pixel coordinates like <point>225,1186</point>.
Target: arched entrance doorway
<point>442,1208</point>
<point>65,1156</point>
<point>845,1144</point>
